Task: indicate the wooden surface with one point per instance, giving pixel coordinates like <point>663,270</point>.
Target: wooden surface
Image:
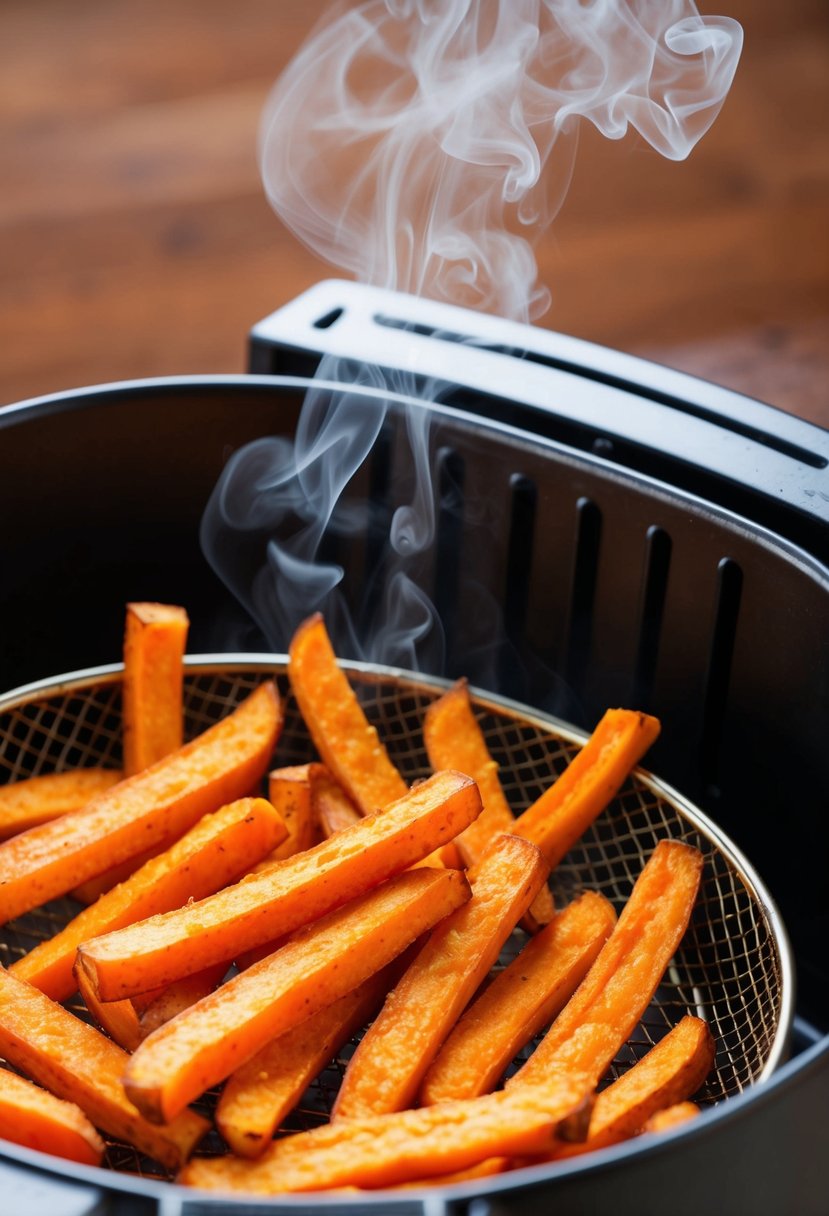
<point>135,239</point>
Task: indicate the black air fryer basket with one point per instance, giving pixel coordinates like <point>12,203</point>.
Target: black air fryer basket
<point>608,532</point>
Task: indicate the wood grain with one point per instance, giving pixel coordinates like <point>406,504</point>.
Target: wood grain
<point>135,239</point>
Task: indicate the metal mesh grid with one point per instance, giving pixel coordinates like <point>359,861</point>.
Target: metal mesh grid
<point>727,970</point>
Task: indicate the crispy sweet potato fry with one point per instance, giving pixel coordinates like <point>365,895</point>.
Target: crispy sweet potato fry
<point>386,1070</point>
<point>33,1117</point>
<point>666,1120</point>
<point>76,1062</point>
<point>348,745</point>
<point>289,790</point>
<point>386,1150</point>
<point>153,807</point>
<point>87,892</point>
<point>331,807</point>
<point>258,1096</point>
<point>177,997</point>
<point>519,1002</point>
<point>291,893</point>
<point>316,967</point>
<point>450,729</point>
<point>669,1073</point>
<point>26,804</point>
<point>604,1010</point>
<point>487,1168</point>
<point>563,813</point>
<point>152,714</point>
<point>213,853</point>
<point>454,739</point>
<point>117,1018</point>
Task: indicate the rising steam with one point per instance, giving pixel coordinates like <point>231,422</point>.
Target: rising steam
<point>423,146</point>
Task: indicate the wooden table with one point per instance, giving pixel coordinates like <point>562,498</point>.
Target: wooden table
<point>135,239</point>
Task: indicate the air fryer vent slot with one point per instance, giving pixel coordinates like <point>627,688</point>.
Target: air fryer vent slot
<point>654,587</point>
<point>583,594</point>
<point>723,638</point>
<point>448,542</point>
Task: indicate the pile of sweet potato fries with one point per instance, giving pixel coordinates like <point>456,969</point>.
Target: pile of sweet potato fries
<point>234,940</point>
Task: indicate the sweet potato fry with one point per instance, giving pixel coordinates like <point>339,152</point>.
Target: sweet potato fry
<point>520,1001</point>
<point>450,729</point>
<point>76,1062</point>
<point>27,804</point>
<point>117,1018</point>
<point>213,853</point>
<point>316,967</point>
<point>258,1096</point>
<point>33,1117</point>
<point>153,807</point>
<point>331,807</point>
<point>289,790</point>
<point>87,892</point>
<point>563,813</point>
<point>669,1073</point>
<point>348,745</point>
<point>152,714</point>
<point>291,893</point>
<point>454,739</point>
<point>386,1070</point>
<point>604,1010</point>
<point>487,1168</point>
<point>177,997</point>
<point>386,1150</point>
<point>666,1120</point>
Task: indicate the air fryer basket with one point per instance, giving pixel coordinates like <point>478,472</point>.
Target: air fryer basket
<point>639,538</point>
<point>733,968</point>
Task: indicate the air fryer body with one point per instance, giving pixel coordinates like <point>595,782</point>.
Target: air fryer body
<point>575,568</point>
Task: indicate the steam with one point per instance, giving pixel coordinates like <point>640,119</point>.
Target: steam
<point>424,146</point>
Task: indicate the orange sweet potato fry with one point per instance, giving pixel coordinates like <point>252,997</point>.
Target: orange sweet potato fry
<point>117,1018</point>
<point>177,997</point>
<point>604,1010</point>
<point>289,790</point>
<point>258,1096</point>
<point>213,853</point>
<point>387,1150</point>
<point>454,739</point>
<point>87,892</point>
<point>348,745</point>
<point>26,804</point>
<point>33,1117</point>
<point>152,713</point>
<point>450,729</point>
<point>331,807</point>
<point>386,1070</point>
<point>666,1120</point>
<point>76,1062</point>
<point>563,813</point>
<point>291,893</point>
<point>521,1000</point>
<point>318,965</point>
<point>669,1073</point>
<point>153,807</point>
<point>487,1168</point>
